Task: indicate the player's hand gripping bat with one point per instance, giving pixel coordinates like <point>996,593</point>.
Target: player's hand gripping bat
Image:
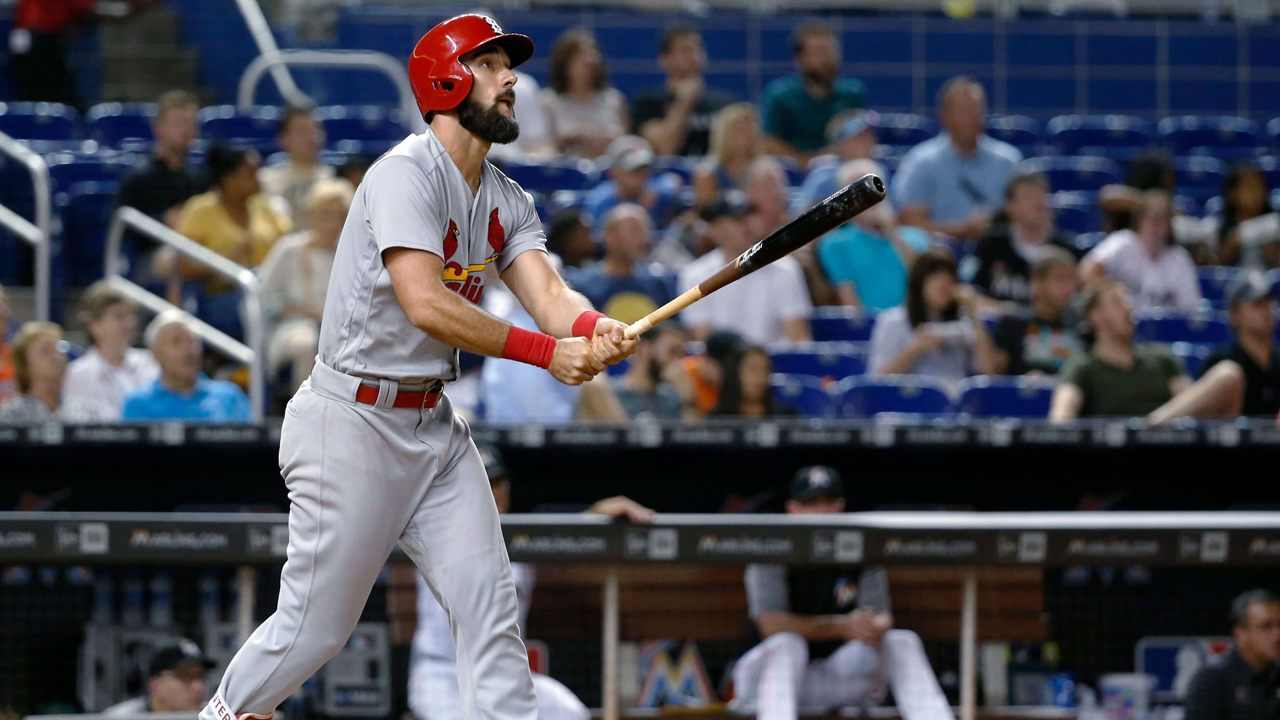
<point>813,224</point>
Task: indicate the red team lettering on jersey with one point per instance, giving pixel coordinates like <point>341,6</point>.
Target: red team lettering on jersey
<point>468,281</point>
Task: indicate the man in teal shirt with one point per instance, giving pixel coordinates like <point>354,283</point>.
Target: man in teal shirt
<point>182,392</point>
<point>796,109</point>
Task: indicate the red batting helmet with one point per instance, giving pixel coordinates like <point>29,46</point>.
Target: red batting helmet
<point>439,78</point>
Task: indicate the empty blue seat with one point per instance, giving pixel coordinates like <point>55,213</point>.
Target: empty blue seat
<point>373,126</point>
<point>67,168</point>
<point>681,167</point>
<point>547,177</point>
<point>1213,281</point>
<point>863,397</point>
<point>1023,397</point>
<point>1070,133</point>
<point>1199,177</point>
<point>1192,355</point>
<point>836,324</point>
<point>795,173</point>
<point>834,360</point>
<point>1076,212</point>
<point>1273,133</point>
<point>1019,131</point>
<point>803,393</point>
<point>1219,132</point>
<point>39,121</point>
<point>1168,326</point>
<point>252,127</point>
<point>86,215</point>
<point>1075,173</point>
<point>905,129</point>
<point>117,124</point>
<point>1270,167</point>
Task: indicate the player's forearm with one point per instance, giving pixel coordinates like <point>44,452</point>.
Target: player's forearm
<point>559,311</point>
<point>809,627</point>
<point>454,321</point>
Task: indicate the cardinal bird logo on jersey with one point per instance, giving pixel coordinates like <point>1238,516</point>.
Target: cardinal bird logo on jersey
<point>451,240</point>
<point>497,236</point>
<point>466,280</point>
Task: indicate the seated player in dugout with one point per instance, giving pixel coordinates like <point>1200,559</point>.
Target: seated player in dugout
<point>828,639</point>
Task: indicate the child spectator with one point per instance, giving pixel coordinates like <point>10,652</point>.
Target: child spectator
<point>1038,339</point>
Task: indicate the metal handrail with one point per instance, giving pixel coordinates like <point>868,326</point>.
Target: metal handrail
<point>335,59</point>
<point>35,234</point>
<point>250,354</point>
<point>266,41</point>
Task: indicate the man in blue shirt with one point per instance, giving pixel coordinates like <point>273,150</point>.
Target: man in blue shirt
<point>952,183</point>
<point>795,110</point>
<point>182,392</point>
<point>630,161</point>
<point>620,285</point>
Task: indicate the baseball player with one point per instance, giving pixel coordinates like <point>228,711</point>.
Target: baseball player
<point>433,672</point>
<point>371,450</point>
<point>828,641</point>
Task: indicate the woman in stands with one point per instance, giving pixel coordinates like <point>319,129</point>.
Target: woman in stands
<point>40,364</point>
<point>1157,270</point>
<point>735,142</point>
<point>935,334</point>
<point>112,368</point>
<point>585,113</point>
<point>746,391</point>
<point>1248,233</point>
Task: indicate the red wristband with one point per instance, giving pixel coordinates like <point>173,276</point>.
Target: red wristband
<point>585,325</point>
<point>529,347</point>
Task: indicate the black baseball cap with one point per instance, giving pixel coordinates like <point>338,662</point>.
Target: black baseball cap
<point>816,481</point>
<point>492,459</point>
<point>1248,286</point>
<point>175,656</point>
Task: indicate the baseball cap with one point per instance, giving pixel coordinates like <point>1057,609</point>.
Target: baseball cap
<point>815,481</point>
<point>492,459</point>
<point>1248,286</point>
<point>731,203</point>
<point>630,152</point>
<point>175,656</point>
<point>854,123</point>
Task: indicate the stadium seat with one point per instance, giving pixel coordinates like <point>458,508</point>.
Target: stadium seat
<point>905,129</point>
<point>864,397</point>
<point>86,214</point>
<point>549,176</point>
<point>376,128</point>
<point>795,173</point>
<point>1022,397</point>
<point>253,127</point>
<point>39,121</point>
<point>681,167</point>
<point>120,125</point>
<point>1071,133</point>
<point>840,324</point>
<point>1213,281</point>
<point>1219,135</point>
<point>1075,173</point>
<point>834,360</point>
<point>1199,177</point>
<point>1192,355</point>
<point>1273,133</point>
<point>1270,167</point>
<point>1169,326</point>
<point>1019,131</point>
<point>1076,212</point>
<point>67,168</point>
<point>803,393</point>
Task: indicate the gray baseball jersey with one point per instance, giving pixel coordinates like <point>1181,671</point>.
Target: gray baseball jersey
<point>415,197</point>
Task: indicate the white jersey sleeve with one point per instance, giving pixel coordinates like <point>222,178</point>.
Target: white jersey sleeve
<point>403,205</point>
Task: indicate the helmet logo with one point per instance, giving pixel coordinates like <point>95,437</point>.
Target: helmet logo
<point>493,24</point>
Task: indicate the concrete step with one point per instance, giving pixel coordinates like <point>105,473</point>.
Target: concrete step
<point>158,26</point>
<point>144,69</point>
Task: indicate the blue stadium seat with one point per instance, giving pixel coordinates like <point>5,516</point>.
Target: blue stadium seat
<point>549,176</point>
<point>1188,205</point>
<point>803,393</point>
<point>677,165</point>
<point>795,173</point>
<point>836,324</point>
<point>1170,326</point>
<point>375,127</point>
<point>1213,281</point>
<point>1192,355</point>
<point>905,129</point>
<point>834,360</point>
<point>864,397</point>
<point>39,121</point>
<point>67,168</point>
<point>121,124</point>
<point>86,214</point>
<point>1273,133</point>
<point>1075,173</point>
<point>1270,167</point>
<point>1071,133</point>
<point>252,127</point>
<point>1076,212</point>
<point>1199,177</point>
<point>1219,134</point>
<point>1023,397</point>
<point>1019,131</point>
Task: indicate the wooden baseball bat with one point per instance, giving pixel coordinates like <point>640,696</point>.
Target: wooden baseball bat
<point>813,224</point>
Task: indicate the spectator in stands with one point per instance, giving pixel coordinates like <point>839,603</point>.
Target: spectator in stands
<point>235,220</point>
<point>7,387</point>
<point>935,332</point>
<point>584,112</point>
<point>796,109</point>
<point>301,138</point>
<point>630,181</point>
<point>1005,253</point>
<point>111,368</point>
<point>1242,378</point>
<point>356,166</point>
<point>569,237</point>
<point>676,118</point>
<point>951,184</point>
<point>746,391</point>
<point>770,305</point>
<point>1116,377</point>
<point>1248,233</point>
<point>826,631</point>
<point>851,135</point>
<point>643,389</point>
<point>295,279</point>
<point>1037,339</point>
<point>867,259</point>
<point>621,285</point>
<point>40,365</point>
<point>699,378</point>
<point>1153,170</point>
<point>182,392</point>
<point>40,45</point>
<point>160,187</point>
<point>176,683</point>
<point>766,189</point>
<point>1146,259</point>
<point>735,143</point>
<point>1245,682</point>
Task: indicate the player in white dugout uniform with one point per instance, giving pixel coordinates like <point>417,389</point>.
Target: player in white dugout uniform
<point>828,637</point>
<point>433,672</point>
<point>371,450</point>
